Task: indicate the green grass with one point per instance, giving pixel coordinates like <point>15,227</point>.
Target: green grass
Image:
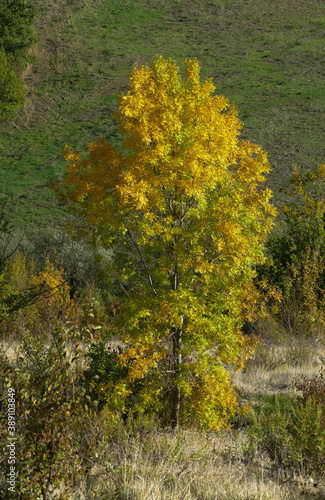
<point>265,56</point>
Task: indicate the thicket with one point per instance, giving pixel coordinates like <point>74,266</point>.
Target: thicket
<point>44,336</point>
<point>295,262</point>
<point>16,38</point>
<point>11,88</point>
<point>293,434</point>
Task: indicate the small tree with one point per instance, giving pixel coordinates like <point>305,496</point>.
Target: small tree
<point>16,28</point>
<point>295,263</point>
<point>183,206</point>
<point>16,38</point>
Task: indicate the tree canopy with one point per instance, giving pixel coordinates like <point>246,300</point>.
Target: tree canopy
<point>16,28</point>
<point>182,204</point>
<point>16,38</point>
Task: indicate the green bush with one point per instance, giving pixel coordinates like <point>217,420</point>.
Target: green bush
<point>103,372</point>
<point>16,38</point>
<point>295,264</point>
<point>293,436</point>
<point>107,382</point>
<point>16,28</point>
<point>12,93</point>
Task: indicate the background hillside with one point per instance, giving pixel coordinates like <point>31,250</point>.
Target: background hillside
<point>266,56</point>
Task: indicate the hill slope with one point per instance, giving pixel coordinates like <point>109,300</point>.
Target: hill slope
<point>264,55</point>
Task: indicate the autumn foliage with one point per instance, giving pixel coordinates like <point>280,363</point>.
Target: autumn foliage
<point>181,204</point>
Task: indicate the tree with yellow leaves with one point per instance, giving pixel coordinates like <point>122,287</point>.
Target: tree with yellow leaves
<point>185,193</point>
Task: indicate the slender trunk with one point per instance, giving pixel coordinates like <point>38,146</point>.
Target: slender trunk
<point>177,356</point>
<point>177,359</point>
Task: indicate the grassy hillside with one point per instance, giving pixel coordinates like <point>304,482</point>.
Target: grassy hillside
<point>265,55</point>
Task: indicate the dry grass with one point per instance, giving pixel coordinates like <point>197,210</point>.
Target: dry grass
<point>160,465</point>
<point>143,462</point>
<point>277,363</point>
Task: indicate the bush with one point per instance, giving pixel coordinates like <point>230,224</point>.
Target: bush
<point>103,373</point>
<point>16,28</point>
<point>12,93</point>
<point>80,262</point>
<point>16,38</point>
<point>312,389</point>
<point>295,263</point>
<point>108,383</point>
<point>53,415</point>
<point>293,436</point>
<point>31,300</point>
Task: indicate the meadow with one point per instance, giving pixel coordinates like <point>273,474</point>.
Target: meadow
<point>265,56</point>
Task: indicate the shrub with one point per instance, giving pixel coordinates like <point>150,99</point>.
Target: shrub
<point>293,437</point>
<point>80,262</point>
<point>312,389</point>
<point>31,300</point>
<point>16,28</point>
<point>295,262</point>
<point>53,415</point>
<point>12,92</point>
<point>108,384</point>
<point>103,372</point>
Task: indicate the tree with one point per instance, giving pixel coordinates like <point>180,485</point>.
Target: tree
<point>23,284</point>
<point>184,194</point>
<point>295,263</point>
<point>16,28</point>
<point>16,38</point>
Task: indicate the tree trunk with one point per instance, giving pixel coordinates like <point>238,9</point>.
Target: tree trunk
<point>177,359</point>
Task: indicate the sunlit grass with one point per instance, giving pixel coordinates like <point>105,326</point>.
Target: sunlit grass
<point>266,57</point>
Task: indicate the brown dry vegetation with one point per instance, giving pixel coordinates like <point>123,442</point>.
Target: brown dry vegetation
<point>155,464</point>
<point>142,461</point>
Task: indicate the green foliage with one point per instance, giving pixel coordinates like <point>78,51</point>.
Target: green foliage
<point>30,292</point>
<point>103,373</point>
<point>53,414</point>
<point>105,382</point>
<point>16,28</point>
<point>12,93</point>
<point>295,262</point>
<point>16,38</point>
<point>292,434</point>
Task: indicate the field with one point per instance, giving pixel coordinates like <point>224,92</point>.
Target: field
<point>140,460</point>
<point>265,56</point>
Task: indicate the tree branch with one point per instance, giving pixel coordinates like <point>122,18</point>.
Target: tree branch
<point>143,262</point>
